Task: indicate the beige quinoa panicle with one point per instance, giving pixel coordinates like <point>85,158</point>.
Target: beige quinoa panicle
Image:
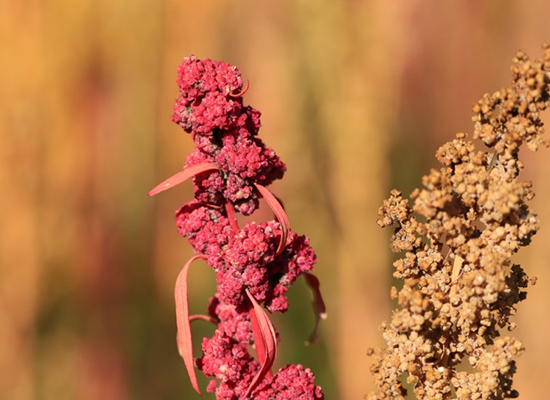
<point>460,287</point>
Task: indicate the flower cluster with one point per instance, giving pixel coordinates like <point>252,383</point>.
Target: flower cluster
<point>460,287</point>
<point>210,106</point>
<point>254,264</point>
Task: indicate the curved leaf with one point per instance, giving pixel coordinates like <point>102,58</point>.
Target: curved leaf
<point>230,211</point>
<point>279,212</point>
<point>318,305</point>
<point>265,341</point>
<point>182,176</point>
<point>184,338</point>
<point>242,92</point>
<point>206,318</point>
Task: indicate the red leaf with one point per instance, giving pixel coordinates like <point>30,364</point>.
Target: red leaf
<point>184,338</point>
<point>231,216</point>
<point>265,341</point>
<point>279,212</point>
<point>202,317</point>
<point>242,92</point>
<point>182,176</point>
<point>318,305</point>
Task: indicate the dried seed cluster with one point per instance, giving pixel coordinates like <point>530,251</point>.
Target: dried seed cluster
<point>460,287</point>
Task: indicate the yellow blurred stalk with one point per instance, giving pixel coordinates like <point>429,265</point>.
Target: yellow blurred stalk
<point>20,120</point>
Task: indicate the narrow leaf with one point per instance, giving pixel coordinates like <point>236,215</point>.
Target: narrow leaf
<point>230,211</point>
<point>318,305</point>
<point>206,318</point>
<point>184,338</point>
<point>279,212</point>
<point>242,92</point>
<point>182,176</point>
<point>265,341</point>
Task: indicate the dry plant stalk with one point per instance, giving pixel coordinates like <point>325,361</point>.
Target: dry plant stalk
<point>460,286</point>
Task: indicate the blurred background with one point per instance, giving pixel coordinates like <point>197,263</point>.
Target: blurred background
<point>356,96</point>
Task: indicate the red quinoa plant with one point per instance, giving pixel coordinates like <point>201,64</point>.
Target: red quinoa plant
<point>254,264</point>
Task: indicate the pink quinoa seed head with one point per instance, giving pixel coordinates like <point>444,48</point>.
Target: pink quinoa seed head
<point>255,264</point>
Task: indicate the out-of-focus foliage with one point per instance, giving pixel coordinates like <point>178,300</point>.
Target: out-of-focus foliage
<point>355,95</point>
